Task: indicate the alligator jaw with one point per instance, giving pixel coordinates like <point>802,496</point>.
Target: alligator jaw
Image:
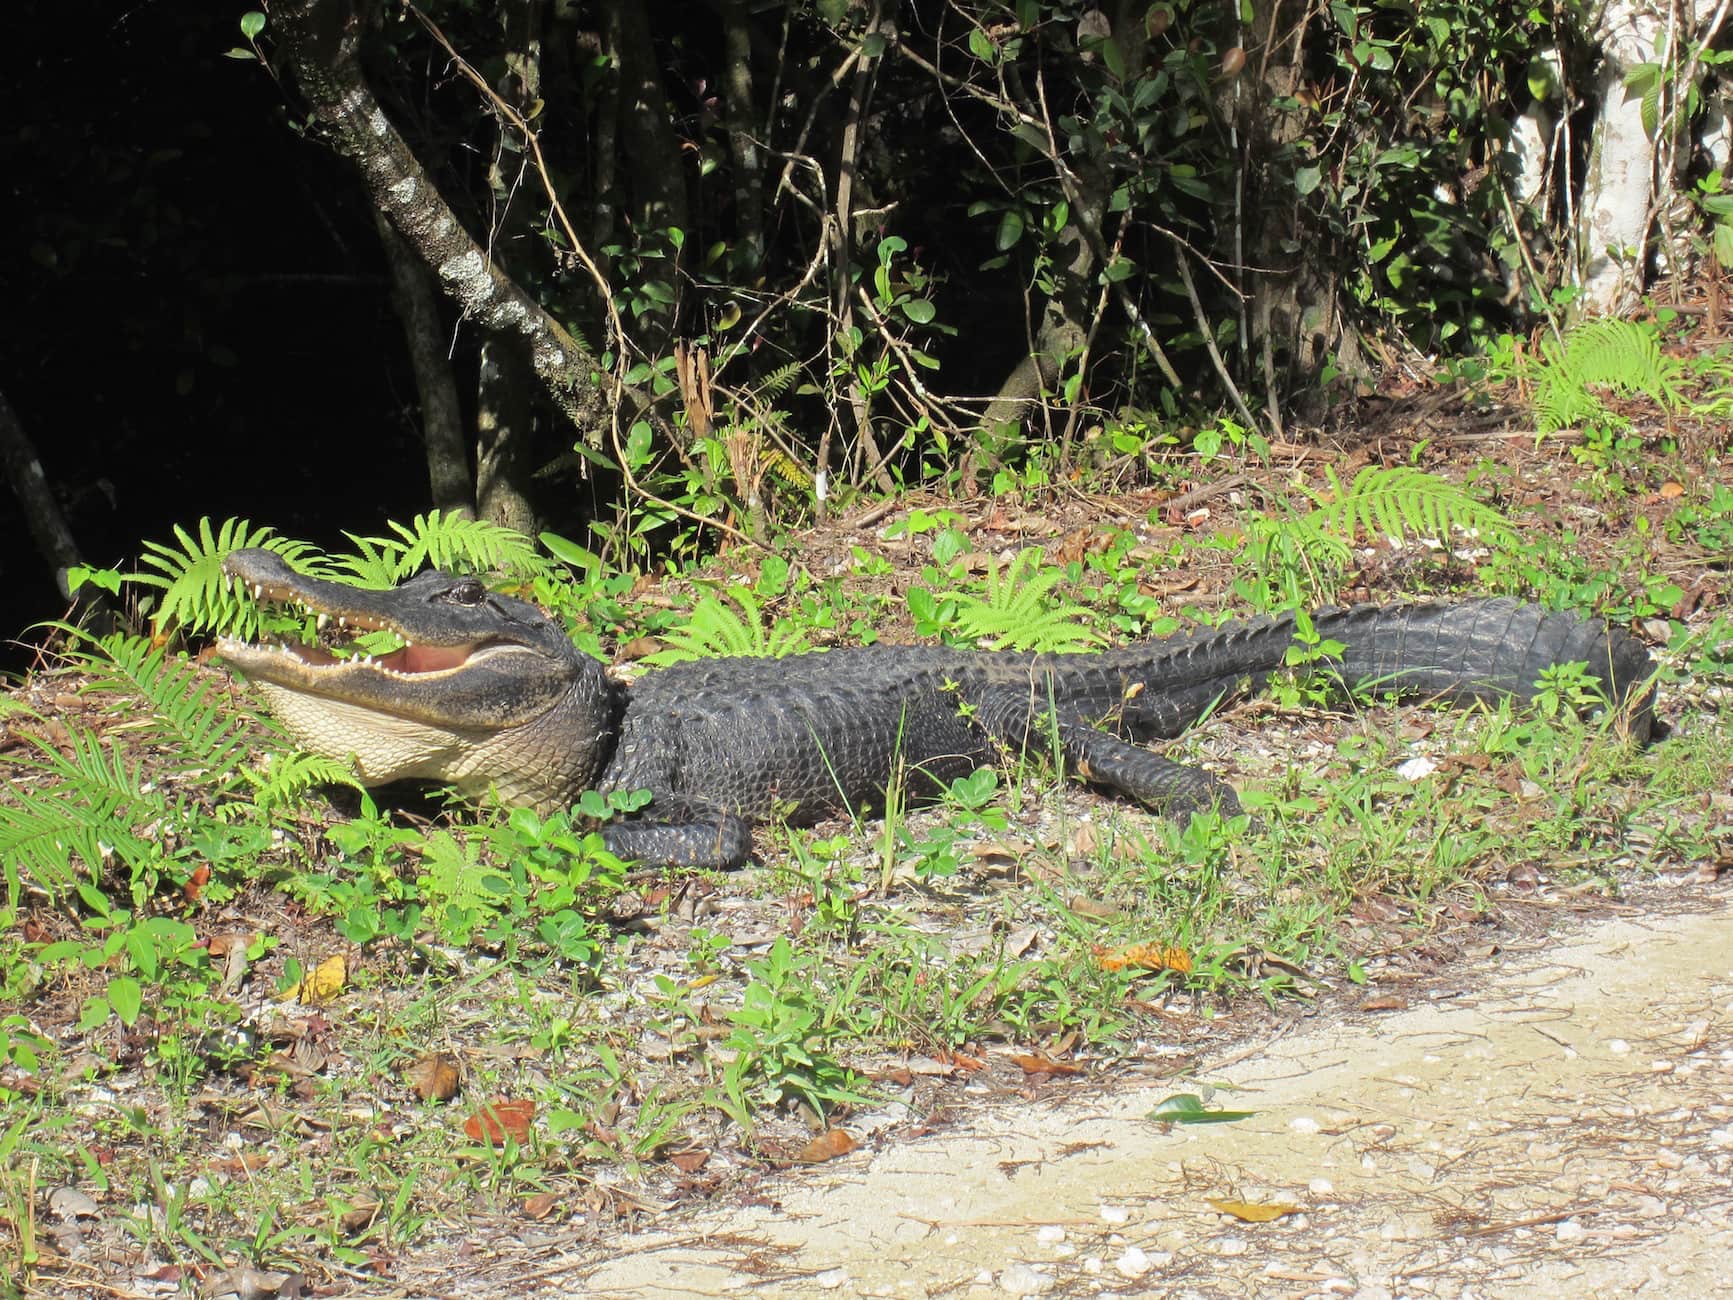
<point>479,675</point>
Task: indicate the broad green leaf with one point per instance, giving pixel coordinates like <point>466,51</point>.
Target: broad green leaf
<point>1010,230</point>
<point>1188,1108</point>
<point>126,996</point>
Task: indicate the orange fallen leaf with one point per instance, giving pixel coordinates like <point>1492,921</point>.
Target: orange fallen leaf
<point>1143,956</point>
<point>501,1119</point>
<point>1247,1212</point>
<point>828,1145</point>
<point>1041,1063</point>
<point>323,983</point>
<point>196,882</point>
<point>689,1162</point>
<point>1670,489</point>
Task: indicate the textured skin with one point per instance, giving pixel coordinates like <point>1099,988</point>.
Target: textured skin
<point>724,743</point>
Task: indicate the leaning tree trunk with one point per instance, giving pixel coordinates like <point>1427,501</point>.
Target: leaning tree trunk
<point>48,528</point>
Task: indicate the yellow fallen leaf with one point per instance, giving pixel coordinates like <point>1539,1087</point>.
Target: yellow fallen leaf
<point>324,983</point>
<point>1246,1212</point>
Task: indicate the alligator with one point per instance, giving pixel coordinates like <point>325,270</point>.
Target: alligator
<point>489,693</point>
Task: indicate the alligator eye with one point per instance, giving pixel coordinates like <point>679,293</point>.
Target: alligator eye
<point>467,592</point>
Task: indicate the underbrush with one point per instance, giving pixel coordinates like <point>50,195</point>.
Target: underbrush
<point>254,1014</point>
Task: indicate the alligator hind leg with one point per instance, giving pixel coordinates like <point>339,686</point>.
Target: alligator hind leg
<point>1160,783</point>
<point>1103,759</point>
<point>683,835</point>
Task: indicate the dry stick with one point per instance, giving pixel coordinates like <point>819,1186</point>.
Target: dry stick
<point>1209,343</point>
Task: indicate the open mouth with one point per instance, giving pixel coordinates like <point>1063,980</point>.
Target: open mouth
<point>349,641</point>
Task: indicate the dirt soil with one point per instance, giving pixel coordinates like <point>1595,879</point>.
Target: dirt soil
<point>1555,1121</point>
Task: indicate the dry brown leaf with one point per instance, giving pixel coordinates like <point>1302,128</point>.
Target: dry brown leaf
<point>827,1146</point>
<point>689,1162</point>
<point>358,1217</point>
<point>324,982</point>
<point>195,884</point>
<point>1143,956</point>
<point>962,1060</point>
<point>434,1077</point>
<point>1090,910</point>
<point>1247,1212</point>
<point>1040,1063</point>
<point>1387,1002</point>
<point>540,1205</point>
<point>1670,489</point>
<point>1003,850</point>
<point>501,1119</point>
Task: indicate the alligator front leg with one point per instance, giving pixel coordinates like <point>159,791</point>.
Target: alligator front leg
<point>682,834</point>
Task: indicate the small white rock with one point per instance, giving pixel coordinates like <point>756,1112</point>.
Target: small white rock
<point>1320,1187</point>
<point>1020,1279</point>
<point>1304,1124</point>
<point>1050,1234</point>
<point>1115,1214</point>
<point>1232,1246</point>
<point>1570,1230</point>
<point>1618,1047</point>
<point>1416,769</point>
<point>832,1278</point>
<point>1133,1263</point>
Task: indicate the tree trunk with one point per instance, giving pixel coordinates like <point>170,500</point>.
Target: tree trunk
<point>504,419</point>
<point>36,498</point>
<point>742,120</point>
<point>1613,226</point>
<point>415,296</point>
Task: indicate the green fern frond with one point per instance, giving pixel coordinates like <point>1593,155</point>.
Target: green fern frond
<point>194,591</point>
<point>61,832</point>
<point>1019,611</point>
<point>778,381</point>
<point>1401,501</point>
<point>452,877</point>
<point>445,540</point>
<point>714,629</point>
<point>288,775</point>
<point>1624,356</point>
<point>196,731</point>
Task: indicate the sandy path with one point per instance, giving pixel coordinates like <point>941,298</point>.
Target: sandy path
<point>1564,1126</point>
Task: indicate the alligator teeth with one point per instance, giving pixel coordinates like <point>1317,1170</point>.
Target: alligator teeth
<point>341,621</point>
<point>258,591</point>
<point>323,620</point>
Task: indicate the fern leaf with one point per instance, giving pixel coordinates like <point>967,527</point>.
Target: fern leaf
<point>1402,501</point>
<point>1019,612</point>
<point>195,592</point>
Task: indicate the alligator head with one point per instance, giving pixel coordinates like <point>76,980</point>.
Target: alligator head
<point>486,691</point>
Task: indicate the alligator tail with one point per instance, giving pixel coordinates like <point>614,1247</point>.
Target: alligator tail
<point>1472,650</point>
